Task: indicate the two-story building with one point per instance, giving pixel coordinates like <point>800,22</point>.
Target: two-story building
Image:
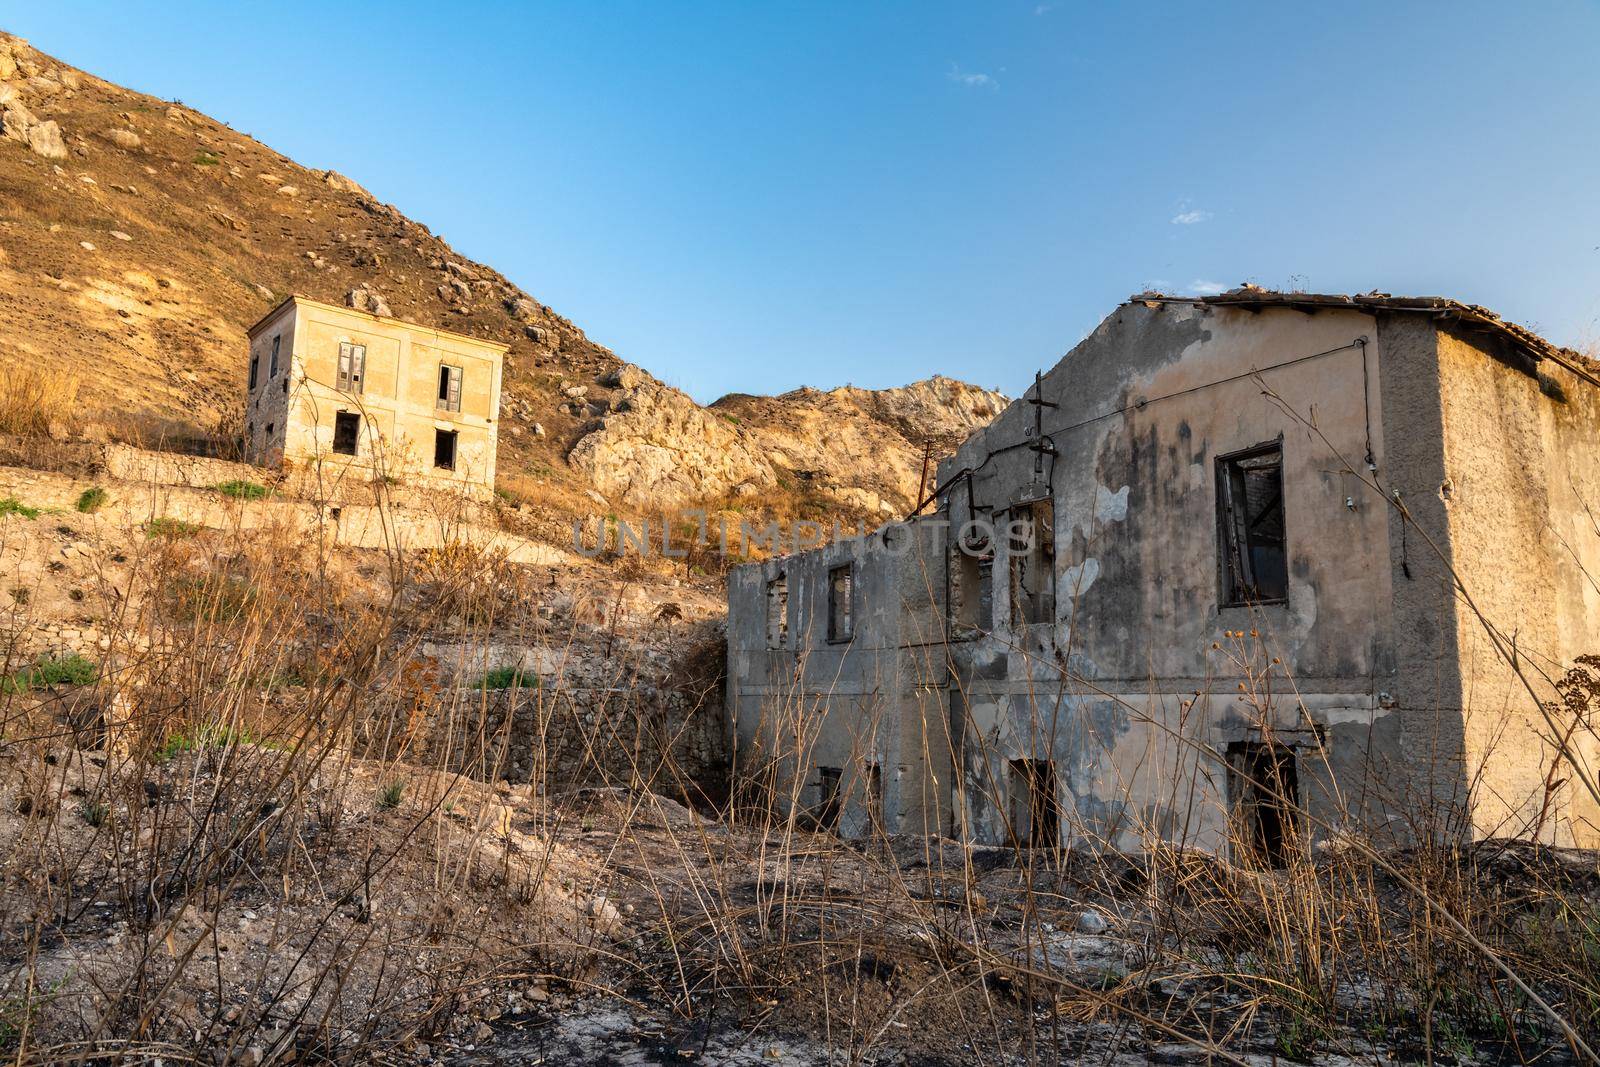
<point>1240,572</point>
<point>345,389</point>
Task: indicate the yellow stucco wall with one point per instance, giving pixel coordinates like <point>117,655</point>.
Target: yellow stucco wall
<point>397,406</point>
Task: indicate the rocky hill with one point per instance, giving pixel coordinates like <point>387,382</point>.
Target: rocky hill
<point>139,239</point>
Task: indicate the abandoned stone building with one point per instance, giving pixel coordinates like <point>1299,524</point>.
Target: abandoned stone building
<point>346,389</point>
<point>1215,579</point>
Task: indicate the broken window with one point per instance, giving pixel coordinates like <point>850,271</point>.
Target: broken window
<point>444,449</point>
<point>1032,554</point>
<point>841,603</point>
<point>352,367</point>
<point>346,431</point>
<point>1254,561</point>
<point>828,798</point>
<point>778,612</point>
<point>449,388</point>
<point>272,372</point>
<point>1263,796</point>
<point>971,580</point>
<point>1035,806</point>
<point>255,370</point>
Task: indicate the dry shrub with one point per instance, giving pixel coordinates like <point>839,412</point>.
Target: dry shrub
<point>36,404</point>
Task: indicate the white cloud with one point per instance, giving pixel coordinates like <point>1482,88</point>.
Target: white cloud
<point>971,79</point>
<point>1201,287</point>
<point>1189,218</point>
<point>1043,9</point>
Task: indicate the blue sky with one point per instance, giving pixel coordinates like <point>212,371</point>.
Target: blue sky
<point>750,196</point>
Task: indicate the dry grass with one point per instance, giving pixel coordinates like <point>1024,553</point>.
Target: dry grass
<point>34,403</point>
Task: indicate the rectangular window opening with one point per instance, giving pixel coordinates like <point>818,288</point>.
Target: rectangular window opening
<point>352,367</point>
<point>971,578</point>
<point>778,612</point>
<point>444,449</point>
<point>828,798</point>
<point>1264,801</point>
<point>1035,803</point>
<point>273,372</point>
<point>1250,524</point>
<point>449,388</point>
<point>346,432</point>
<point>255,370</point>
<point>1031,550</point>
<point>841,603</point>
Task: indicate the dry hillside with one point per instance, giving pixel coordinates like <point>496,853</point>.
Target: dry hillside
<point>139,239</point>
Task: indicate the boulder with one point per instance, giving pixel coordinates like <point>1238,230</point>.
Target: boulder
<point>124,139</point>
<point>45,139</point>
<point>362,298</point>
<point>625,376</point>
<point>15,119</point>
<point>521,308</point>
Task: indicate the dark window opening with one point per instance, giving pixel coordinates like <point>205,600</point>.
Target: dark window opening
<point>971,585</point>
<point>269,432</point>
<point>273,372</point>
<point>1035,804</point>
<point>1264,796</point>
<point>449,388</point>
<point>1031,550</point>
<point>778,612</point>
<point>841,603</point>
<point>444,449</point>
<point>829,800</point>
<point>352,367</point>
<point>875,797</point>
<point>255,370</point>
<point>346,431</point>
<point>285,385</point>
<point>1255,561</point>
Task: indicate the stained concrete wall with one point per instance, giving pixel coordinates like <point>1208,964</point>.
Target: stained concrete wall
<point>878,698</point>
<point>1518,499</point>
<point>1410,454</point>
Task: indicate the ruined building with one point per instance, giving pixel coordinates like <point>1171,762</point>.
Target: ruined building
<point>1215,579</point>
<point>344,388</point>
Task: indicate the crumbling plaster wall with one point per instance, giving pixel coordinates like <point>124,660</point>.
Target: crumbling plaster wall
<point>1519,495</point>
<point>880,697</point>
<point>1145,405</point>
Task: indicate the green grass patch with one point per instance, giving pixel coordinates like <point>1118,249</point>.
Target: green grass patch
<point>12,506</point>
<point>200,737</point>
<point>243,490</point>
<point>92,500</point>
<point>49,671</point>
<point>389,796</point>
<point>509,678</point>
<point>206,159</point>
<point>171,529</point>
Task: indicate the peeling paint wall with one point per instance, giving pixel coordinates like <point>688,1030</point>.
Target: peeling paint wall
<point>1147,686</point>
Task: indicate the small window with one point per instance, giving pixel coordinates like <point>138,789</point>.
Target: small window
<point>829,800</point>
<point>841,603</point>
<point>1031,553</point>
<point>273,370</point>
<point>255,370</point>
<point>778,612</point>
<point>1264,795</point>
<point>444,449</point>
<point>1035,806</point>
<point>1254,564</point>
<point>346,432</point>
<point>449,388</point>
<point>269,433</point>
<point>352,367</point>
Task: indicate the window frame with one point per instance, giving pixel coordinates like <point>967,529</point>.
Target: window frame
<point>775,602</point>
<point>451,378</point>
<point>1228,580</point>
<point>836,634</point>
<point>255,371</point>
<point>272,370</point>
<point>350,374</point>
